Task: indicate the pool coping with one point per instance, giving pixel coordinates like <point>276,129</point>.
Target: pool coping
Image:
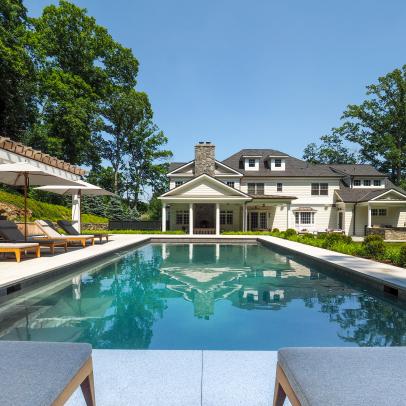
<point>384,277</point>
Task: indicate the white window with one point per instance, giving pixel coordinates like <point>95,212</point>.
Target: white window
<point>304,218</point>
<point>230,183</point>
<point>262,220</point>
<point>319,189</point>
<point>182,217</point>
<point>357,182</point>
<point>226,217</point>
<point>178,183</point>
<point>279,187</point>
<point>256,188</point>
<point>278,163</point>
<point>378,212</point>
<point>377,182</point>
<point>251,163</point>
<point>367,182</point>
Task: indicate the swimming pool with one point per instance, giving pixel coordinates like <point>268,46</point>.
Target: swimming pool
<point>205,296</point>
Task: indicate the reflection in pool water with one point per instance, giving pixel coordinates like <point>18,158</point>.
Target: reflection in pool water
<point>212,296</point>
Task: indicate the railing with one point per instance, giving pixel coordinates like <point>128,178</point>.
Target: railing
<point>204,231</point>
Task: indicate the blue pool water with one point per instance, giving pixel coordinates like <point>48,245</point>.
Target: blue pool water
<point>205,296</point>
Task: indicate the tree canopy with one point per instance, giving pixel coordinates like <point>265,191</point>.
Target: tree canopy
<point>377,128</point>
<point>69,89</point>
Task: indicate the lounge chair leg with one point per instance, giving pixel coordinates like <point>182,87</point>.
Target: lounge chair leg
<point>18,255</point>
<point>283,389</point>
<point>38,251</point>
<point>66,247</point>
<point>92,241</point>
<point>83,243</point>
<point>52,247</point>
<point>87,387</point>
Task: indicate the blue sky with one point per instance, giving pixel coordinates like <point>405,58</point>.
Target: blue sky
<point>253,74</point>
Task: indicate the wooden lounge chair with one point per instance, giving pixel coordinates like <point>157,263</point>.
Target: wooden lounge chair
<point>366,376</point>
<point>10,232</point>
<point>39,373</point>
<point>48,229</point>
<point>20,248</point>
<point>69,229</point>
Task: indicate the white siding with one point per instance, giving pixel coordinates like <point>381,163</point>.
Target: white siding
<point>298,187</point>
<point>203,189</point>
<point>172,181</point>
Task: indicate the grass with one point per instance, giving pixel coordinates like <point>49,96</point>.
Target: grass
<point>378,250</point>
<point>48,211</point>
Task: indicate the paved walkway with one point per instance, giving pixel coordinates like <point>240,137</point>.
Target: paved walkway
<point>182,378</point>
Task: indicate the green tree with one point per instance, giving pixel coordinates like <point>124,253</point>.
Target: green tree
<point>17,71</point>
<point>79,65</point>
<point>378,125</point>
<point>147,163</point>
<point>123,112</point>
<point>115,209</point>
<point>331,151</point>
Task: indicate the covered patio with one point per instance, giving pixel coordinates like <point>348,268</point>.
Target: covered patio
<point>380,212</point>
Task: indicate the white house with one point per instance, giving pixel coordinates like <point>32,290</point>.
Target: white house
<point>263,189</point>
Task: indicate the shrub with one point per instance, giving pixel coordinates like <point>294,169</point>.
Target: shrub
<point>276,230</point>
<point>402,256</point>
<point>331,239</point>
<point>290,232</point>
<point>374,246</point>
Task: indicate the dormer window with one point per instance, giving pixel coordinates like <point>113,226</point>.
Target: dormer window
<point>251,163</point>
<point>277,163</point>
<point>357,182</point>
<point>377,182</point>
<point>367,182</point>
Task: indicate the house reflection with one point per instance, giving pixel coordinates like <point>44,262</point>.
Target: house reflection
<point>249,278</point>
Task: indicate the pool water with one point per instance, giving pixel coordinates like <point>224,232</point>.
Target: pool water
<point>205,296</point>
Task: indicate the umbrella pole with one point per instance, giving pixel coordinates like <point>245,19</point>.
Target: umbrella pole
<point>25,204</point>
<point>80,210</point>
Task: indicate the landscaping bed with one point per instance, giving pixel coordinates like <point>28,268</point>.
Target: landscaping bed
<point>373,247</point>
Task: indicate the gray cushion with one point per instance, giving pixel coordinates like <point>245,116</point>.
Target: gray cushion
<point>35,373</point>
<point>346,376</point>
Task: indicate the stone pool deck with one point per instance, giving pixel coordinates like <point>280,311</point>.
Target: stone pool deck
<point>375,273</point>
<point>182,378</point>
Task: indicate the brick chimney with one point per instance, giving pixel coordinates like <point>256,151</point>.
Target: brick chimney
<point>205,160</point>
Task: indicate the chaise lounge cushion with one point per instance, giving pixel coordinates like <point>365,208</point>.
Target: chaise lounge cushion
<point>346,376</point>
<point>35,373</point>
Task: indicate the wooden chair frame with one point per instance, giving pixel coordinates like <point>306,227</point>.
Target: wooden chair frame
<point>84,378</point>
<point>283,389</point>
<point>18,252</point>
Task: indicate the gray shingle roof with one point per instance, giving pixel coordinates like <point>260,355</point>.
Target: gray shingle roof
<point>357,170</point>
<point>176,165</point>
<point>294,167</point>
<point>359,195</point>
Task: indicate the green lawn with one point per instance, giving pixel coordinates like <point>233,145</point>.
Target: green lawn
<point>41,210</point>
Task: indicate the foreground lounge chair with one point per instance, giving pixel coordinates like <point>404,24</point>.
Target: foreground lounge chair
<point>39,374</point>
<point>10,232</point>
<point>370,376</point>
<point>69,229</point>
<point>48,229</point>
<point>20,248</point>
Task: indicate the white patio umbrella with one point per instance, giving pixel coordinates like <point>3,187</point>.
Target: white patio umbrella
<point>25,174</point>
<point>81,188</point>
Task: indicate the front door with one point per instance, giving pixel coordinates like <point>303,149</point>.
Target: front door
<point>258,220</point>
<point>340,220</point>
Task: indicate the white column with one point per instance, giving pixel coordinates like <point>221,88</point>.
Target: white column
<point>369,216</point>
<point>217,218</point>
<point>76,212</point>
<point>191,220</point>
<point>287,215</point>
<point>244,217</point>
<point>163,217</point>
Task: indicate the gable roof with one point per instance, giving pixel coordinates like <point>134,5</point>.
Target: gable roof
<point>173,168</point>
<point>198,179</point>
<point>359,195</point>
